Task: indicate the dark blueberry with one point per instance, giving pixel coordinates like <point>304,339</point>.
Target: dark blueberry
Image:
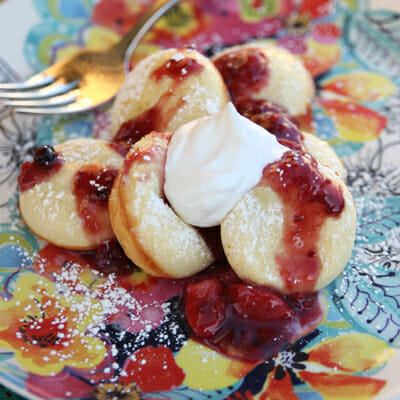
<point>45,155</point>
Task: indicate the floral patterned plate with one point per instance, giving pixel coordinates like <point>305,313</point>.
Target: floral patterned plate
<point>70,331</point>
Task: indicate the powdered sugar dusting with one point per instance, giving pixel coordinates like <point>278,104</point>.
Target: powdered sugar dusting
<point>88,150</point>
<point>105,299</point>
<point>160,218</point>
<point>256,219</point>
<point>95,316</point>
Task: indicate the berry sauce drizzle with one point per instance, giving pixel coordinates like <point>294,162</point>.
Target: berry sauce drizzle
<point>157,117</point>
<point>92,187</point>
<point>177,69</point>
<point>249,107</point>
<point>134,129</point>
<point>309,199</point>
<point>107,258</point>
<point>244,72</point>
<point>272,117</point>
<point>46,162</point>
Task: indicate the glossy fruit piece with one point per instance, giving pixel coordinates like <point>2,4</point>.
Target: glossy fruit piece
<point>279,125</point>
<point>257,304</point>
<point>205,307</point>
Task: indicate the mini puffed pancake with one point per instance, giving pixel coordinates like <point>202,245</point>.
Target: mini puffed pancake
<point>57,208</point>
<point>149,231</point>
<point>264,71</point>
<point>252,237</point>
<point>167,89</point>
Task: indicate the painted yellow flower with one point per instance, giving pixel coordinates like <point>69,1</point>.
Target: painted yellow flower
<point>205,369</point>
<point>49,331</point>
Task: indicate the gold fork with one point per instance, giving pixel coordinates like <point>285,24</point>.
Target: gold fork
<point>84,81</point>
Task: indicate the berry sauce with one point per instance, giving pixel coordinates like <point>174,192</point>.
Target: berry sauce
<point>158,117</point>
<point>92,187</point>
<point>249,107</point>
<point>134,129</point>
<point>244,71</point>
<point>309,199</point>
<point>107,258</point>
<point>246,322</point>
<point>272,117</point>
<point>177,69</point>
<point>46,162</point>
<point>278,125</point>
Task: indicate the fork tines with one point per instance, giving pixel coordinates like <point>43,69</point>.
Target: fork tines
<point>45,92</point>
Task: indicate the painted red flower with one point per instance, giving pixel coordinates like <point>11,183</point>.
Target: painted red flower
<point>153,369</point>
<point>148,370</point>
<point>47,330</point>
<point>118,15</point>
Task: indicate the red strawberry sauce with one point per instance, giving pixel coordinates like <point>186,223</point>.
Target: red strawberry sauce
<point>244,321</point>
<point>244,71</point>
<point>309,199</point>
<point>157,117</point>
<point>92,187</point>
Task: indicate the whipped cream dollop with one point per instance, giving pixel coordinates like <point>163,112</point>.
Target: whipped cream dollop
<point>213,161</point>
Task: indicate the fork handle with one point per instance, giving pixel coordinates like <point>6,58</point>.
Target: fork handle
<point>127,45</point>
